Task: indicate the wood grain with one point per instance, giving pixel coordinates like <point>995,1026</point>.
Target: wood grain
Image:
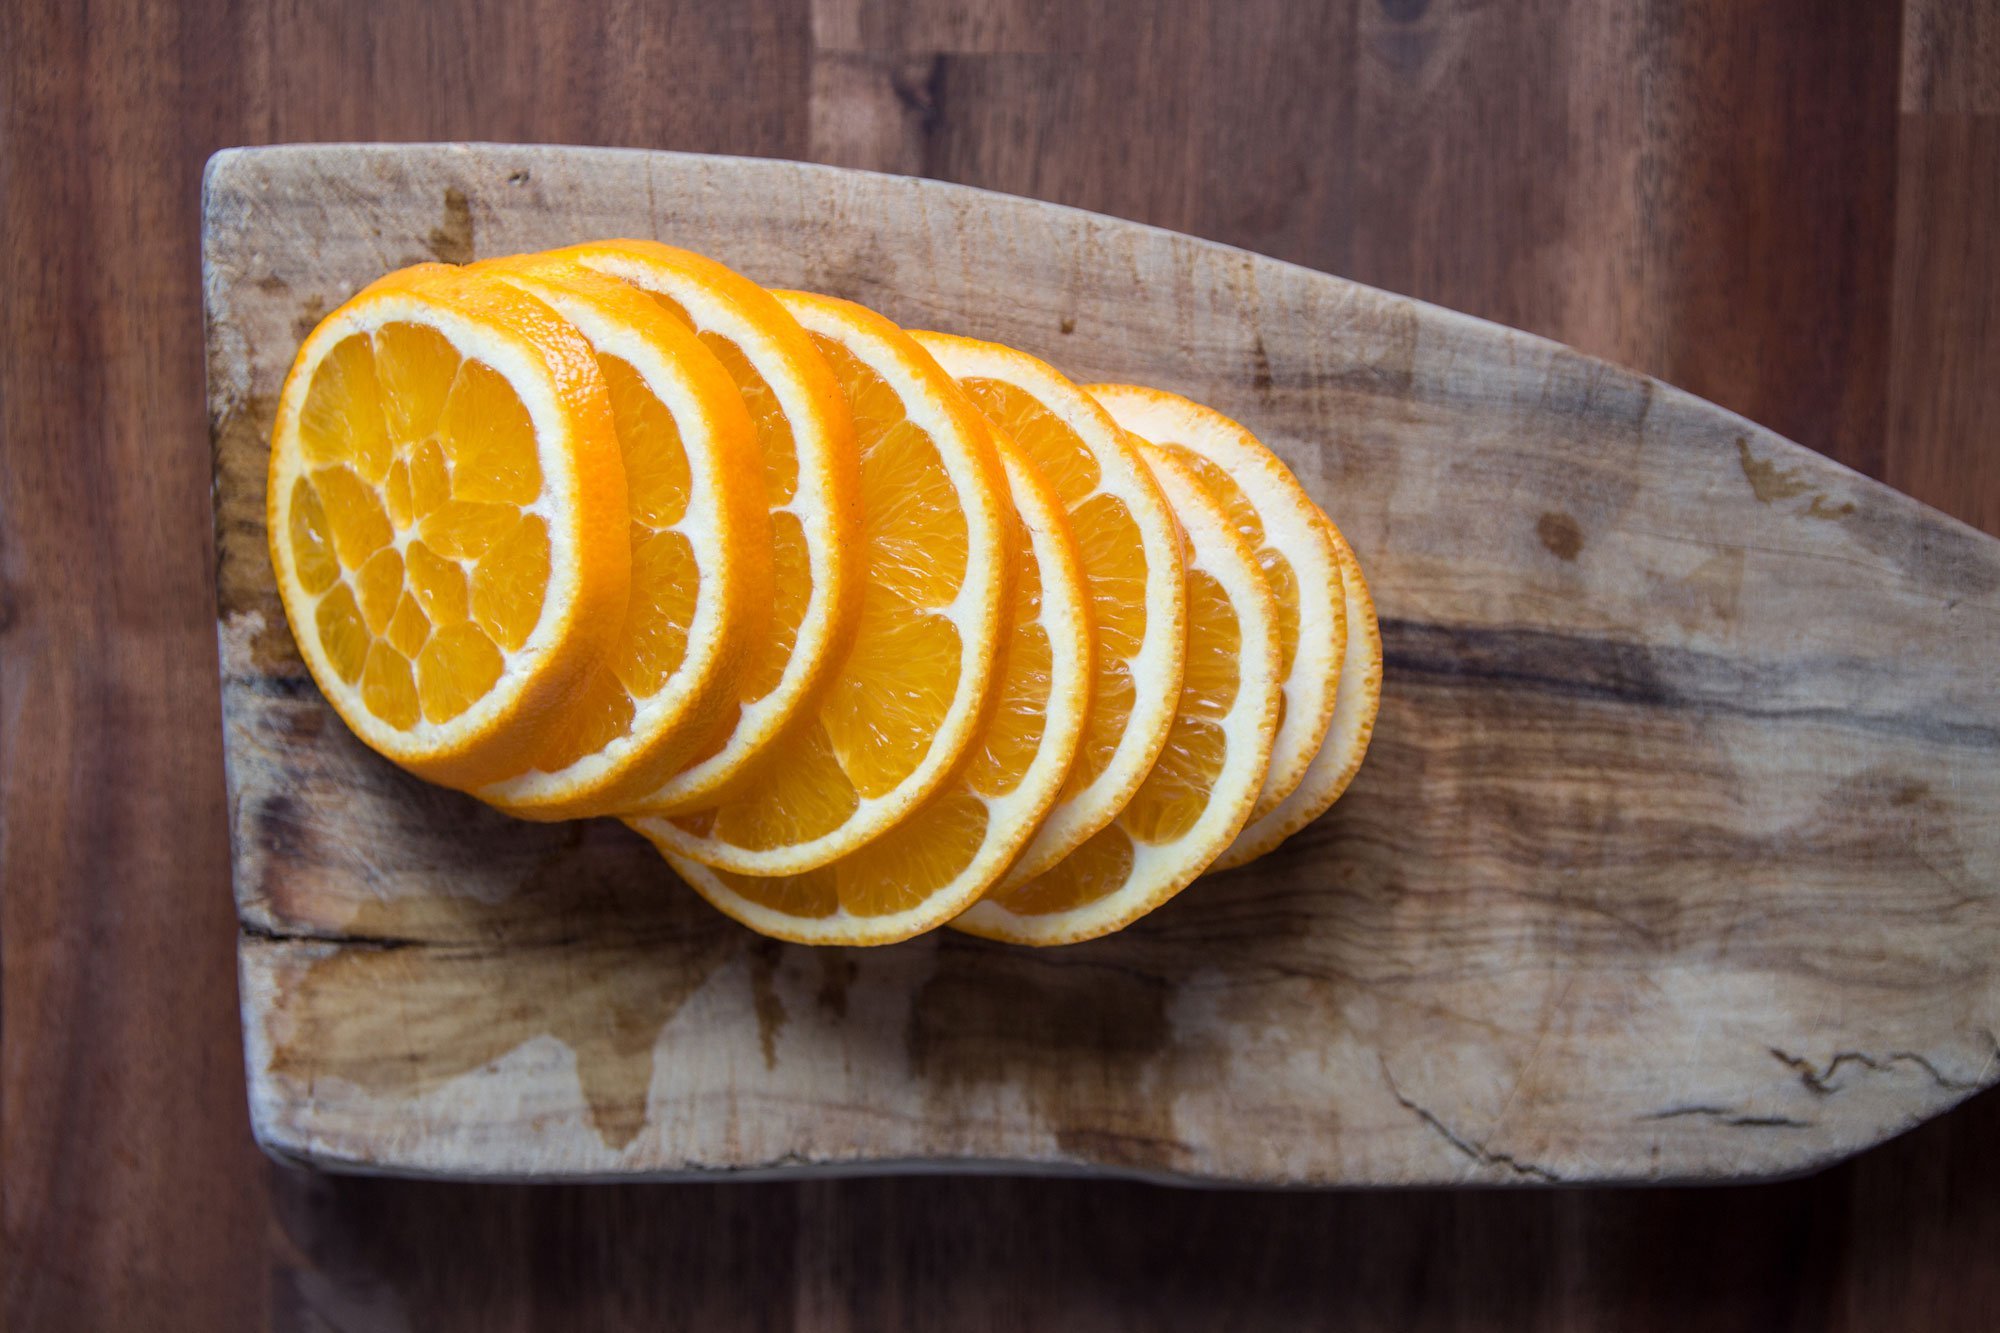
<point>1944,325</point>
<point>1671,860</point>
<point>1902,1237</point>
<point>111,1127</point>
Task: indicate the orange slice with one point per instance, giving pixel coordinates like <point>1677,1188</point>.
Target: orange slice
<point>447,519</point>
<point>904,703</point>
<point>1294,548</point>
<point>1131,555</point>
<point>928,868</point>
<point>1197,796</point>
<point>812,488</point>
<point>700,542</point>
<point>1346,744</point>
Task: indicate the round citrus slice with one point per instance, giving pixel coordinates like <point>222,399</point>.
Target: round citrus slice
<point>700,547</point>
<point>1340,755</point>
<point>1131,552</point>
<point>811,487</point>
<point>905,702</point>
<point>1294,549</point>
<point>447,519</point>
<point>928,868</point>
<point>1197,796</point>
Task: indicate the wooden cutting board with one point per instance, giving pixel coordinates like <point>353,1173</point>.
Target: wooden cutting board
<point>1677,854</point>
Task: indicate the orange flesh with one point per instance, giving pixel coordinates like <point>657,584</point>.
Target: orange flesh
<point>1094,870</point>
<point>1176,791</point>
<point>652,642</point>
<point>931,848</point>
<point>766,663</point>
<point>1278,572</point>
<point>886,702</point>
<point>408,521</point>
<point>1110,548</point>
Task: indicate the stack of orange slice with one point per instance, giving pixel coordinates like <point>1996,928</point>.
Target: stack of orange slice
<point>867,631</point>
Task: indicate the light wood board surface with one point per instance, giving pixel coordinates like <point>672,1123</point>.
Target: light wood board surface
<point>1675,855</point>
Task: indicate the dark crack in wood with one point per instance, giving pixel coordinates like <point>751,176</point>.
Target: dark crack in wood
<point>1728,1115</point>
<point>1478,1152</point>
<point>1658,675</point>
<point>259,931</point>
<point>1820,1081</point>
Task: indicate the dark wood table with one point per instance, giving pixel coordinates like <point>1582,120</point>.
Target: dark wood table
<point>1785,206</point>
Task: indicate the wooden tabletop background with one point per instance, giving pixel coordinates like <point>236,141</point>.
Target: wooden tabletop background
<point>1784,205</point>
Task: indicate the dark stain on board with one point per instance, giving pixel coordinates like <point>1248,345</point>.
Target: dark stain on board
<point>241,436</point>
<point>451,240</point>
<point>1559,535</point>
<point>765,955</point>
<point>837,971</point>
<point>1260,365</point>
<point>1769,482</point>
<point>311,311</point>
<point>596,946</point>
<point>1081,1039</point>
<point>1643,675</point>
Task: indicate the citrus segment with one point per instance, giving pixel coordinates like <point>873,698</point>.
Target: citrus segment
<point>927,868</point>
<point>488,441</point>
<point>380,583</point>
<point>1272,512</point>
<point>1130,552</point>
<point>311,539</point>
<point>904,701</point>
<point>440,584</point>
<point>698,537</point>
<point>430,484</point>
<point>354,514</point>
<point>508,581</point>
<point>409,628</point>
<point>1198,793</point>
<point>443,475</point>
<point>810,469</point>
<point>343,636</point>
<point>454,668</point>
<point>341,418</point>
<point>416,369</point>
